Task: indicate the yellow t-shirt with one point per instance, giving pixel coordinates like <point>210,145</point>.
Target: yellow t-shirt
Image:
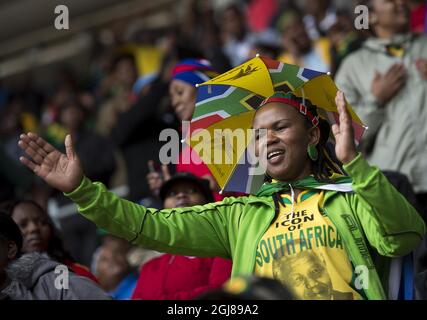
<point>304,251</point>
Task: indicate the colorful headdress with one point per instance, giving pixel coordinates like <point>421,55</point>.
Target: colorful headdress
<point>304,106</point>
<point>193,71</point>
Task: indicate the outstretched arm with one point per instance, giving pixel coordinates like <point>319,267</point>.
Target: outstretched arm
<point>199,230</point>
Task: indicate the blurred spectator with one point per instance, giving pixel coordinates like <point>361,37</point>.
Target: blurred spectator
<point>113,269</point>
<point>185,75</point>
<point>118,87</point>
<point>63,91</point>
<point>174,277</point>
<point>343,39</point>
<point>40,235</point>
<point>265,43</point>
<point>320,17</point>
<point>235,37</point>
<point>96,153</point>
<point>299,48</point>
<point>33,276</point>
<point>200,33</point>
<point>390,95</point>
<point>136,132</point>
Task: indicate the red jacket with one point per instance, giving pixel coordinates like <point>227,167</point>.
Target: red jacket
<point>172,277</point>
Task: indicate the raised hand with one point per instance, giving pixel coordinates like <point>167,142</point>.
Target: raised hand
<point>156,179</point>
<point>345,148</point>
<point>385,86</point>
<point>421,65</point>
<point>60,171</point>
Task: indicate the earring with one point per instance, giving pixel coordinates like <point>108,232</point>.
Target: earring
<point>312,152</point>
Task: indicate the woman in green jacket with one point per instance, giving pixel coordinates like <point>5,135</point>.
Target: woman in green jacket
<point>321,238</point>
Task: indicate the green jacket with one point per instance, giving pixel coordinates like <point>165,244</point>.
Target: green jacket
<point>374,213</point>
<point>397,135</point>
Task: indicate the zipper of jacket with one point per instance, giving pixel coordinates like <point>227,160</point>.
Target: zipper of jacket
<point>261,234</point>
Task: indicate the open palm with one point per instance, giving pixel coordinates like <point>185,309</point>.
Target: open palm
<point>345,148</point>
<point>61,171</point>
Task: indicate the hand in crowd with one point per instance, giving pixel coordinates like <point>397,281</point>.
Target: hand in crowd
<point>385,86</point>
<point>345,148</point>
<point>421,65</point>
<point>156,179</point>
<point>60,171</point>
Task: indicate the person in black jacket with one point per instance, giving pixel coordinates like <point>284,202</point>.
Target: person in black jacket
<point>136,131</point>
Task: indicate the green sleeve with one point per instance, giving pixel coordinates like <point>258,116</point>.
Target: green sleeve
<point>199,231</point>
<point>389,221</point>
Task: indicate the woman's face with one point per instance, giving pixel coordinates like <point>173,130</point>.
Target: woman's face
<point>295,38</point>
<point>125,73</point>
<point>34,227</point>
<point>285,145</point>
<point>393,14</point>
<point>183,97</point>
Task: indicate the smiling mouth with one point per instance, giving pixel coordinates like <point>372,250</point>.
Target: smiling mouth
<point>274,154</point>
